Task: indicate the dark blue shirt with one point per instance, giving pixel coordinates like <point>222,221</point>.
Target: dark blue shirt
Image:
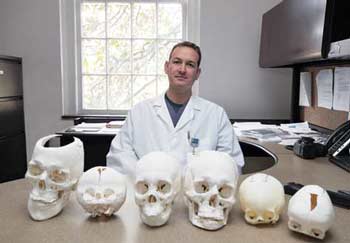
<point>175,110</point>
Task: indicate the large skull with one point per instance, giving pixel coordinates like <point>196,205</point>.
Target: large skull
<point>262,199</point>
<point>158,181</point>
<point>101,191</point>
<point>310,211</point>
<point>54,172</point>
<point>210,180</point>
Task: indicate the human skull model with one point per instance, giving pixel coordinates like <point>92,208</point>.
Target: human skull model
<point>54,172</point>
<point>261,198</point>
<point>158,180</point>
<point>210,180</point>
<point>101,191</point>
<point>310,211</point>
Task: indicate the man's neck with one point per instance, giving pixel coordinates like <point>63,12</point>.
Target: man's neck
<point>178,98</point>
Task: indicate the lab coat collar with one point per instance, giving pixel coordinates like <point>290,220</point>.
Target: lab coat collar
<point>187,115</point>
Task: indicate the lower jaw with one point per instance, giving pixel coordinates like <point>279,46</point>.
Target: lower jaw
<point>40,210</point>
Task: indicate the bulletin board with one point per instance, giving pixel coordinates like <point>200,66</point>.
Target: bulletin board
<point>320,116</point>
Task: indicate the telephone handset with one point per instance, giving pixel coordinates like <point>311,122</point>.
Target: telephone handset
<point>339,139</point>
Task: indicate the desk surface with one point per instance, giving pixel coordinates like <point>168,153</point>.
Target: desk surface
<point>74,225</point>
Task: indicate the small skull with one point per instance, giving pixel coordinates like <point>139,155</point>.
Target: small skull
<point>54,172</point>
<point>210,180</point>
<point>158,181</point>
<point>101,191</point>
<point>261,198</point>
<point>310,211</point>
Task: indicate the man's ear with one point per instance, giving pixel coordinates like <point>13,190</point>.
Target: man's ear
<point>166,66</point>
<point>198,73</point>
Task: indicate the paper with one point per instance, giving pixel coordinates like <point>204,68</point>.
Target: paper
<point>305,89</point>
<point>324,81</point>
<point>341,98</point>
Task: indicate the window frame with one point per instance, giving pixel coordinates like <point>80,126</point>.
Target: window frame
<point>70,51</point>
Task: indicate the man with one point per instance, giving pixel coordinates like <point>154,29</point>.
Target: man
<point>175,122</point>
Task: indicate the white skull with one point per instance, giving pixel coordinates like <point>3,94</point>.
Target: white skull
<point>158,180</point>
<point>310,211</point>
<point>262,199</point>
<point>54,172</point>
<point>210,180</point>
<point>101,191</point>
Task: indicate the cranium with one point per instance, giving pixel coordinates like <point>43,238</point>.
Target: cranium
<point>54,172</point>
<point>158,181</point>
<point>101,191</point>
<point>261,198</point>
<point>310,211</point>
<point>210,180</point>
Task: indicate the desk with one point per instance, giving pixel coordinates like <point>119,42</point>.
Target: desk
<point>74,225</point>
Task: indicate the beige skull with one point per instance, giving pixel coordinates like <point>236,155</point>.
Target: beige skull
<point>262,199</point>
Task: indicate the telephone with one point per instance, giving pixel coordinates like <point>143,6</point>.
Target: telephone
<point>339,140</point>
<point>337,145</point>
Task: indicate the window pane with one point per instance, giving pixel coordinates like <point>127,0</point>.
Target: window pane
<point>144,20</point>
<point>93,56</point>
<point>119,20</point>
<point>163,84</point>
<point>93,20</point>
<point>144,87</point>
<point>94,92</point>
<point>119,54</point>
<point>164,48</point>
<point>170,21</point>
<point>144,57</point>
<point>119,92</point>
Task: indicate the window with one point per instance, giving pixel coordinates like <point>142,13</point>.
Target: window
<point>120,47</point>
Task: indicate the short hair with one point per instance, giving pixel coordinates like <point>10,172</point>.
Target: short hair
<point>189,45</point>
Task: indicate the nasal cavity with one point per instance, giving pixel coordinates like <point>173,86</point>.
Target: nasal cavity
<point>212,201</point>
<point>152,199</point>
<point>42,185</point>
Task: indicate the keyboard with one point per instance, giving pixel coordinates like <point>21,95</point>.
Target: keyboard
<point>341,161</point>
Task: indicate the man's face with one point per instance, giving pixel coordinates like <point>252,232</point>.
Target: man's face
<point>182,69</point>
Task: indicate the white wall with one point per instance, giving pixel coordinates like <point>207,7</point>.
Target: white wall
<point>30,29</point>
<point>231,77</point>
<point>229,38</point>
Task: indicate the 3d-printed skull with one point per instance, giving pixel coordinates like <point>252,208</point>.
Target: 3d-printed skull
<point>310,211</point>
<point>101,191</point>
<point>261,198</point>
<point>210,180</point>
<point>54,172</point>
<point>158,180</point>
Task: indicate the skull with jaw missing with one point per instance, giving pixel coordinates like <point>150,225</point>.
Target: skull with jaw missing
<point>158,181</point>
<point>53,172</point>
<point>210,180</point>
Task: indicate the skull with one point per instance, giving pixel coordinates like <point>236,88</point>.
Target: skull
<point>54,172</point>
<point>158,181</point>
<point>310,211</point>
<point>210,180</point>
<point>262,199</point>
<point>101,191</point>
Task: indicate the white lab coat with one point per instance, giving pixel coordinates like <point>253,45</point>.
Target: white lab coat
<point>149,127</point>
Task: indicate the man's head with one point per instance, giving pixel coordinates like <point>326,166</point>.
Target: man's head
<point>189,45</point>
<point>183,68</point>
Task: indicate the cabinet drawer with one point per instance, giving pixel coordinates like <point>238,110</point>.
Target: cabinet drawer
<point>10,79</point>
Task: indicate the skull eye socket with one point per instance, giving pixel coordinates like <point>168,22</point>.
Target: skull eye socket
<point>251,215</point>
<point>107,193</point>
<point>58,176</point>
<point>35,169</point>
<point>316,232</point>
<point>163,187</point>
<point>90,192</point>
<point>201,186</point>
<point>226,191</point>
<point>268,215</point>
<point>142,187</point>
<point>295,225</point>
